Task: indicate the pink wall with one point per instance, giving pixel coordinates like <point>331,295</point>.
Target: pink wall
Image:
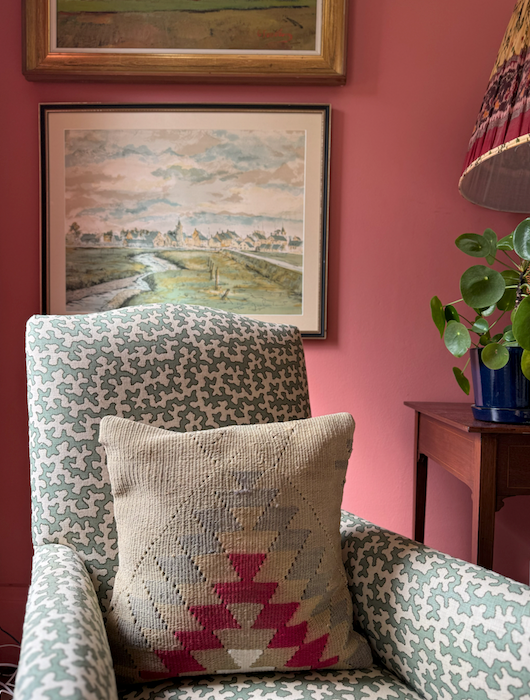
<point>417,73</point>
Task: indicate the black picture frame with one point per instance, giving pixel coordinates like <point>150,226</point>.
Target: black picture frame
<point>107,195</point>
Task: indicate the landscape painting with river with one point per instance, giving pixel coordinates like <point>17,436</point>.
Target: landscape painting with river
<point>209,216</point>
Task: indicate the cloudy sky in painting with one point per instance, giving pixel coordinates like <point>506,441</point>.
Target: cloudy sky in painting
<point>209,179</point>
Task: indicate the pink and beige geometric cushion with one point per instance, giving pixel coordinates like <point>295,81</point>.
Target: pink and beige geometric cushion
<point>230,556</point>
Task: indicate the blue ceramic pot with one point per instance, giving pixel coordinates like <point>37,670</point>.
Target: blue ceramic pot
<point>501,395</point>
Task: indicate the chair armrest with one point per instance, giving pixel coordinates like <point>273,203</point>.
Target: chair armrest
<point>448,628</point>
<point>65,652</point>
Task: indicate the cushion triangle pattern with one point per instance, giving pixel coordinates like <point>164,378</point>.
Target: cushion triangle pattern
<point>230,555</point>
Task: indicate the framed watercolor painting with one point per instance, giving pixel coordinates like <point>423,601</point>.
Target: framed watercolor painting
<point>224,206</point>
<point>230,41</point>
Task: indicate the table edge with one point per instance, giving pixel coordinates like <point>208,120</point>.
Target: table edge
<point>453,413</point>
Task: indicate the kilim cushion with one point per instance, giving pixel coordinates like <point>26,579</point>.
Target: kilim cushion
<point>230,552</point>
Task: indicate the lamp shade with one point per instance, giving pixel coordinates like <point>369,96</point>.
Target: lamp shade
<point>497,167</point>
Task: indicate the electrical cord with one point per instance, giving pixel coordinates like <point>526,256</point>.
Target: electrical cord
<point>8,671</point>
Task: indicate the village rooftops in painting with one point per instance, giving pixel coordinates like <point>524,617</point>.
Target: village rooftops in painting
<point>277,241</point>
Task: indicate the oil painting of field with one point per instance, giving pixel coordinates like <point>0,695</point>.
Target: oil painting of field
<point>213,217</point>
<point>189,25</point>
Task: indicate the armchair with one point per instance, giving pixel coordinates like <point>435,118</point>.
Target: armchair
<point>438,627</point>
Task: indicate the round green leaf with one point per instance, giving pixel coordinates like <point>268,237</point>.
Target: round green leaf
<point>491,237</point>
<point>525,363</point>
<point>506,243</point>
<point>485,339</point>
<point>474,245</point>
<point>496,338</point>
<point>451,314</point>
<point>507,301</point>
<point>437,313</point>
<point>457,338</point>
<point>511,277</point>
<point>508,335</point>
<point>481,286</point>
<point>495,356</point>
<point>480,326</point>
<point>463,381</point>
<point>487,311</point>
<point>521,240</point>
<point>521,324</point>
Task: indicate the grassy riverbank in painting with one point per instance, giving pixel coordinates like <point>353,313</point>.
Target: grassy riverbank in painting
<point>226,280</point>
<point>195,25</point>
<point>87,267</point>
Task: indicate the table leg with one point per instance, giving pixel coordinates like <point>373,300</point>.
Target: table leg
<point>420,485</point>
<point>484,502</point>
<point>420,497</point>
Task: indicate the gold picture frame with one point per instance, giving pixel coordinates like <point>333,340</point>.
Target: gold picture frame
<point>218,205</point>
<point>323,64</point>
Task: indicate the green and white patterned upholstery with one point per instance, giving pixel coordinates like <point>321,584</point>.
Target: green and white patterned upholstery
<point>176,367</point>
<point>439,628</point>
<point>66,651</point>
<point>447,628</point>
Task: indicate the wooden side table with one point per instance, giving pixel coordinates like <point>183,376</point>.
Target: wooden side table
<point>493,459</point>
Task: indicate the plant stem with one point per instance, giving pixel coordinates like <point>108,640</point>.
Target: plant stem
<point>471,323</point>
<point>497,320</point>
<point>510,259</point>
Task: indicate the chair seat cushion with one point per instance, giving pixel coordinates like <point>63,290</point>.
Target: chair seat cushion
<point>374,683</point>
<point>230,549</point>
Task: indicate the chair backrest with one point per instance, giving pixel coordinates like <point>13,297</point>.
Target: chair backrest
<point>174,366</point>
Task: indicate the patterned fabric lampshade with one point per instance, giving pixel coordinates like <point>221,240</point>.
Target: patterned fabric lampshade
<point>497,167</point>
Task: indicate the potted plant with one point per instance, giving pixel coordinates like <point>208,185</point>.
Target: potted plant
<point>494,324</point>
